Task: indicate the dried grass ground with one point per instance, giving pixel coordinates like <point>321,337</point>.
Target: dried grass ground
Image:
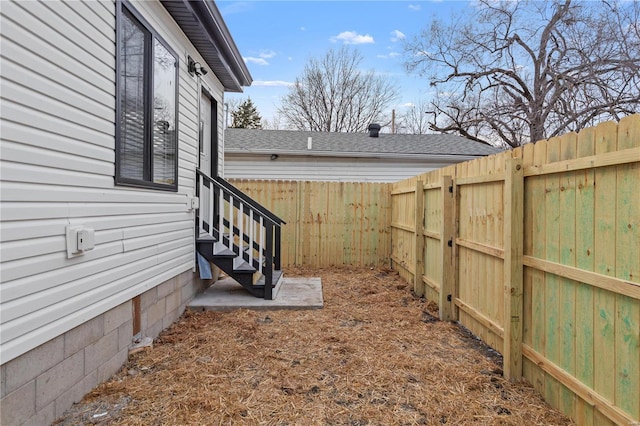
<point>374,355</point>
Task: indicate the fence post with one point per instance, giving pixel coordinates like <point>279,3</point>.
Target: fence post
<point>513,247</point>
<point>418,285</point>
<point>447,243</point>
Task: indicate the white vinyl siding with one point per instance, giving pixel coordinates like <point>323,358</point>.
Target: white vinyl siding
<point>329,168</point>
<point>57,168</point>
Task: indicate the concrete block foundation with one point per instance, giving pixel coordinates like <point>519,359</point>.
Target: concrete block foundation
<point>38,386</point>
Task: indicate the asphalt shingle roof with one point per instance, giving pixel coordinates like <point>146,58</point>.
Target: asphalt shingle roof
<point>387,144</point>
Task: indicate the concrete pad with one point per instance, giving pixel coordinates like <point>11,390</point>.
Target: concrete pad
<point>294,293</point>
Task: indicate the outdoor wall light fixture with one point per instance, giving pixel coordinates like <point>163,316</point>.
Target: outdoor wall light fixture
<point>274,156</point>
<point>195,68</point>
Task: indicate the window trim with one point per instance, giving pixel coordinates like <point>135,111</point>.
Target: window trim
<point>147,181</point>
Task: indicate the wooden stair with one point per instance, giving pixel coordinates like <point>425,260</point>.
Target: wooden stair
<point>238,235</point>
<point>236,266</point>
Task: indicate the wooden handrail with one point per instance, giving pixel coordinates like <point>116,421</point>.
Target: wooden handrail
<point>229,188</point>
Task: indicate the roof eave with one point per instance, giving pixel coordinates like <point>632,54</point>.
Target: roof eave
<point>202,23</point>
<point>386,155</point>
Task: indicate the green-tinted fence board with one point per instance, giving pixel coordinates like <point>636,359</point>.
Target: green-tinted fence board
<point>605,301</point>
<point>627,332</point>
<point>567,257</point>
<point>537,196</point>
<point>552,282</point>
<point>585,260</point>
<point>528,369</point>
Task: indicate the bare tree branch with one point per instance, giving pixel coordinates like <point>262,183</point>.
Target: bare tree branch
<point>334,95</point>
<point>514,72</point>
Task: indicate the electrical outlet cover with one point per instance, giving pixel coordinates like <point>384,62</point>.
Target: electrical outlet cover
<point>72,240</point>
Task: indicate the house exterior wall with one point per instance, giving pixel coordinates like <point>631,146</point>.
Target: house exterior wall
<point>338,169</point>
<point>57,168</point>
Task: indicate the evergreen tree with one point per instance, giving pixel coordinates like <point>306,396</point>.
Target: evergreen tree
<point>246,116</point>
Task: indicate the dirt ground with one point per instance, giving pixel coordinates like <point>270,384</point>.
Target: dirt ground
<point>374,355</point>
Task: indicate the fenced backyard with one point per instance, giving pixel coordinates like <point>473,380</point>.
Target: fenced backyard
<point>373,355</point>
<point>535,250</point>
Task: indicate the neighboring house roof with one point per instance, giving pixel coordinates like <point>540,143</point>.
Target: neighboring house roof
<point>291,142</point>
<point>202,22</point>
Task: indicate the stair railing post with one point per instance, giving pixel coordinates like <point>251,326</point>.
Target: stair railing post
<point>230,222</point>
<point>261,245</point>
<point>278,248</point>
<point>268,264</point>
<point>221,215</point>
<point>241,228</point>
<point>251,236</point>
<point>211,194</point>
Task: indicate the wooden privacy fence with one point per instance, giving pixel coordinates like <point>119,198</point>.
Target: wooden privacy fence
<point>537,251</point>
<point>328,223</point>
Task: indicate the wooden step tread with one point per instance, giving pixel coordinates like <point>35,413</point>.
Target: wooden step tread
<point>220,250</point>
<point>276,277</point>
<point>206,238</point>
<point>239,265</point>
<point>204,234</point>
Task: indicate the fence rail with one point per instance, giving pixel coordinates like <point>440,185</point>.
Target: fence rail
<point>537,251</point>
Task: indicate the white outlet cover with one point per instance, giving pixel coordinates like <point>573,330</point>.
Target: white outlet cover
<point>72,240</point>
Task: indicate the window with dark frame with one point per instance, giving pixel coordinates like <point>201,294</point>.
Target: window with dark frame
<point>146,105</point>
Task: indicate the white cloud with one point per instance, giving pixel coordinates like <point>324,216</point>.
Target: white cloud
<point>303,29</point>
<point>271,83</point>
<point>236,7</point>
<point>408,105</point>
<point>414,7</point>
<point>388,56</point>
<point>397,35</point>
<point>267,54</point>
<point>351,37</point>
<point>259,61</point>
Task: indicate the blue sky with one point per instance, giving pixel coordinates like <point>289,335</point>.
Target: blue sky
<point>277,38</point>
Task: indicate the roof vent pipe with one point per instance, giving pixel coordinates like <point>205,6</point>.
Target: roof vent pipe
<point>373,129</point>
<point>309,143</point>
